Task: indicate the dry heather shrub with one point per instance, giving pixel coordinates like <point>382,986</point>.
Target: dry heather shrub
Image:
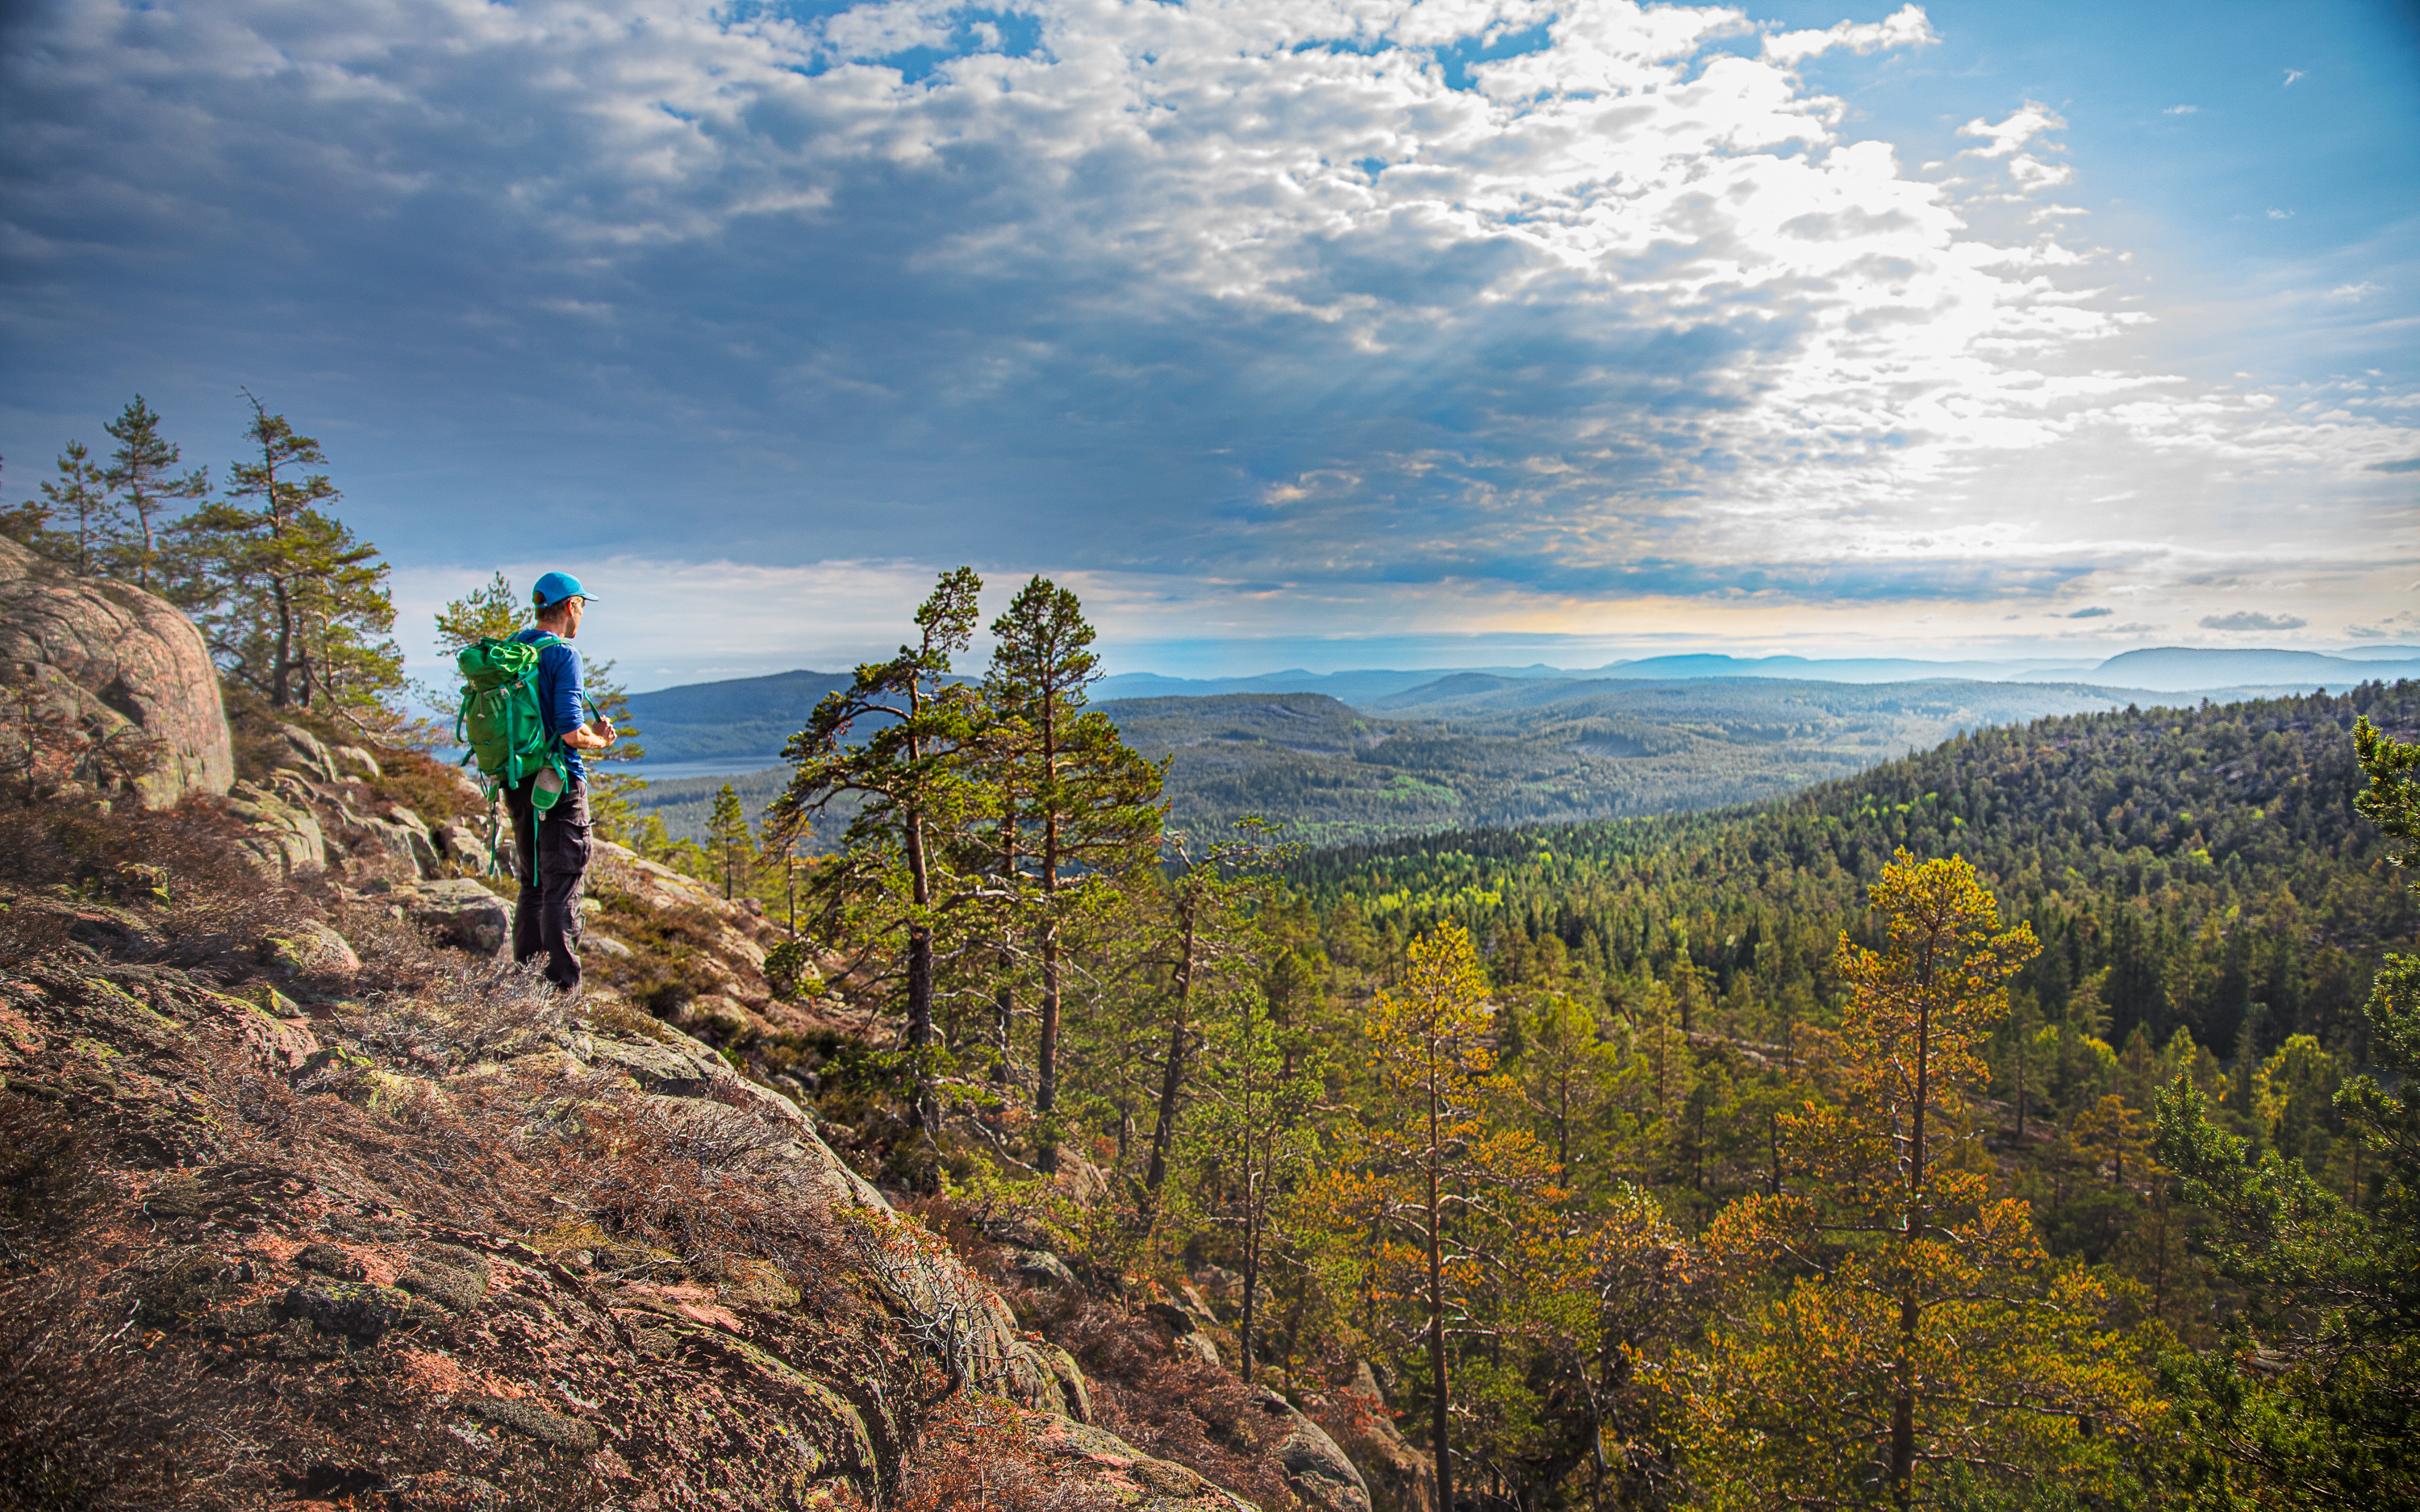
<point>977,1454</point>
<point>1169,1406</point>
<point>91,1420</point>
<point>89,1417</point>
<point>216,901</point>
<point>459,1012</point>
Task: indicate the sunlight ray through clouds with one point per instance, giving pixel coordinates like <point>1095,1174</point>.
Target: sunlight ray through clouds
<point>1582,303</point>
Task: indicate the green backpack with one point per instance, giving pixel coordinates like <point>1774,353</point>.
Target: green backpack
<point>502,724</point>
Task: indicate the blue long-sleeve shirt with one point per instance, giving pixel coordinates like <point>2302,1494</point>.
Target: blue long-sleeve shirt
<point>559,694</point>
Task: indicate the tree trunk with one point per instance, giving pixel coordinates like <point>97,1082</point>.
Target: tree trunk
<point>1045,1093</point>
<point>1902,1445</point>
<point>1442,1415</point>
<point>1003,997</point>
<point>1172,1077</point>
<point>919,946</point>
<point>1903,1448</point>
<point>281,680</point>
<point>1251,1258</point>
<point>1046,1063</point>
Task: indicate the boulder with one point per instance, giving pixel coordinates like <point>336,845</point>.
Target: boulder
<point>117,666</point>
<point>407,844</point>
<point>305,752</point>
<point>308,949</point>
<point>1074,1391</point>
<point>1398,1477</point>
<point>415,834</point>
<point>284,838</point>
<point>681,1067</point>
<point>1315,1469</point>
<point>354,759</point>
<point>465,845</point>
<point>1128,1475</point>
<point>460,911</point>
<point>1040,1268</point>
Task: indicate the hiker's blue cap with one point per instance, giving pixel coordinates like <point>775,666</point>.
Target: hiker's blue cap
<point>556,587</point>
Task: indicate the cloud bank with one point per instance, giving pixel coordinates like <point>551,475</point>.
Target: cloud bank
<point>1301,312</point>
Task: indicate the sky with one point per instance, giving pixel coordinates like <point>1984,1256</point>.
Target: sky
<point>1327,333</point>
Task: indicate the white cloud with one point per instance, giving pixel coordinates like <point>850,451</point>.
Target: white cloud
<point>2023,126</point>
<point>2252,620</point>
<point>1907,27</point>
<point>2293,74</point>
<point>2276,214</point>
<point>2352,293</point>
<point>2181,110</point>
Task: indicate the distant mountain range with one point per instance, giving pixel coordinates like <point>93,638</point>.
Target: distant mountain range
<point>748,718</point>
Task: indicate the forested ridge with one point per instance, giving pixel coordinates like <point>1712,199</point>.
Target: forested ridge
<point>2207,860</point>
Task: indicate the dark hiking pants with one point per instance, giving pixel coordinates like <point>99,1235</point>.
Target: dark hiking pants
<point>550,857</point>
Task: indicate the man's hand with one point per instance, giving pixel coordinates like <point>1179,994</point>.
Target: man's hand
<point>594,736</point>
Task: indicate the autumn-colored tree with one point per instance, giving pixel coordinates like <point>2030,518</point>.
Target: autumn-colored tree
<point>1927,1341</point>
<point>1443,1213</point>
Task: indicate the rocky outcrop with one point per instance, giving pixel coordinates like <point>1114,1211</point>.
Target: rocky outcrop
<point>459,912</point>
<point>105,667</point>
<point>285,839</point>
<point>1398,1477</point>
<point>464,1249</point>
<point>1315,1469</point>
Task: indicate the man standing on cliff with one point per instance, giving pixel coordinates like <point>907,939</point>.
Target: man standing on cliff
<point>551,850</point>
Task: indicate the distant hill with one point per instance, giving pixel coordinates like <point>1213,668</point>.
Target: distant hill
<point>2187,668</point>
<point>1475,750</point>
<point>749,717</point>
<point>745,717</point>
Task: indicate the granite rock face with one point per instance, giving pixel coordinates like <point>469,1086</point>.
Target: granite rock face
<point>1317,1470</point>
<point>1397,1476</point>
<point>464,914</point>
<point>116,664</point>
<point>285,840</point>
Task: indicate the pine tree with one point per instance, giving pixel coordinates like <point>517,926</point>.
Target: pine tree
<point>2314,1400</point>
<point>144,486</point>
<point>492,611</point>
<point>1209,902</point>
<point>1457,1205</point>
<point>495,611</point>
<point>916,798</point>
<point>1093,806</point>
<point>78,499</point>
<point>726,828</point>
<point>1252,1139</point>
<point>1928,1340</point>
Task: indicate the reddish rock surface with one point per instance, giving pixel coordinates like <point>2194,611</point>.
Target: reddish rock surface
<point>113,659</point>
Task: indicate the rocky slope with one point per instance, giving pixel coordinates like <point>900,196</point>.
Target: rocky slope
<point>365,1223</point>
<point>307,1200</point>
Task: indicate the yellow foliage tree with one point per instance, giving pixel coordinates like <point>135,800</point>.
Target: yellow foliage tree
<point>1443,1215</point>
<point>1921,1340</point>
